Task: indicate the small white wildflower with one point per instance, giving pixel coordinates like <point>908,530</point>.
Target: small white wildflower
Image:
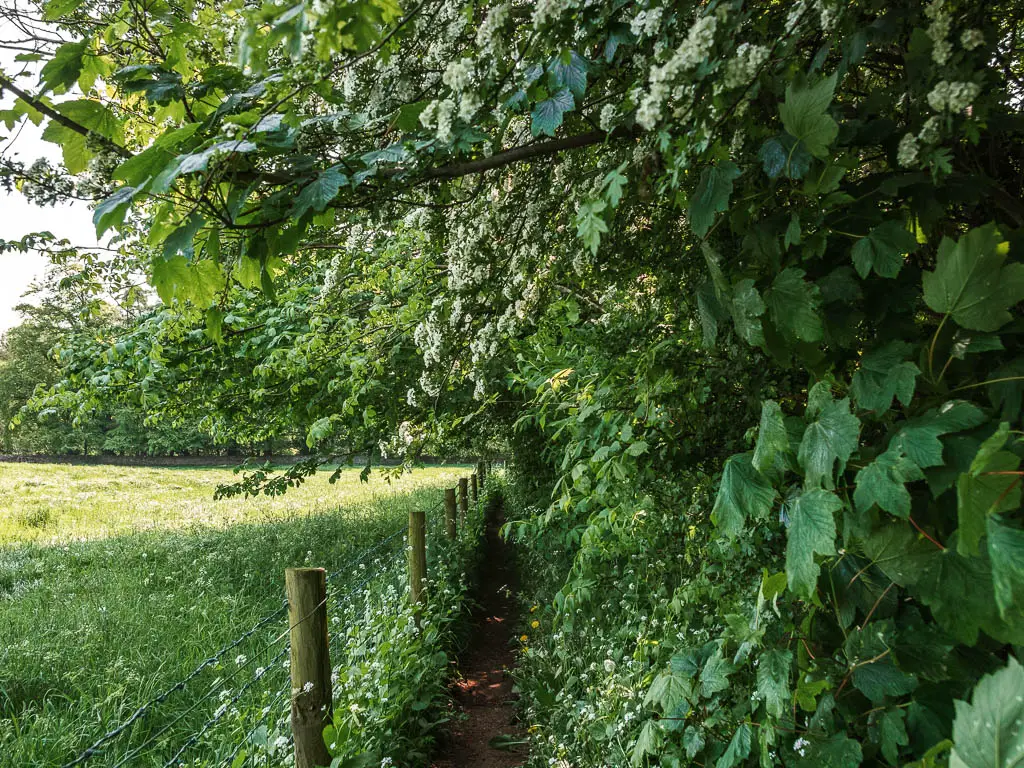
<point>609,666</point>
<point>240,659</point>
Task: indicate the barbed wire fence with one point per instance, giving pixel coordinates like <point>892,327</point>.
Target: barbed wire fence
<point>249,704</point>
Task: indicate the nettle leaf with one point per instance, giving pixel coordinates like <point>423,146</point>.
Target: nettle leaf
<point>569,70</point>
<point>319,193</point>
<point>884,374</point>
<point>830,438</point>
<point>793,306</point>
<point>970,282</point>
<point>919,438</point>
<point>711,195</point>
<point>547,116</point>
<point>738,749</point>
<point>773,680</point>
<point>1006,553</point>
<point>812,531</point>
<point>989,731</point>
<point>744,494</point>
<point>772,438</point>
<point>883,249</point>
<point>882,482</point>
<point>805,117</point>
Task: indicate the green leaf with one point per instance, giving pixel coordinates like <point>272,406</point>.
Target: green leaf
<point>882,482</point>
<point>919,440</point>
<point>793,306</point>
<point>180,240</point>
<point>547,115</point>
<point>744,494</point>
<point>773,680</point>
<point>771,436</point>
<point>94,116</point>
<point>970,282</point>
<point>668,691</point>
<point>714,677</point>
<point>63,69</point>
<point>176,279</point>
<point>988,449</point>
<point>72,145</point>
<point>838,751</point>
<point>693,740</point>
<point>746,308</point>
<point>831,438</point>
<point>647,743</point>
<point>812,531</point>
<point>711,195</point>
<point>1006,553</point>
<point>55,9</point>
<point>111,212</point>
<point>319,192</point>
<point>884,374</point>
<point>569,71</point>
<point>989,732</point>
<point>883,249</point>
<point>590,225</point>
<point>738,749</point>
<point>892,734</point>
<point>981,495</point>
<point>805,117</point>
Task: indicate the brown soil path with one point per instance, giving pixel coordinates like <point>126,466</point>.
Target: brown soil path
<point>483,689</point>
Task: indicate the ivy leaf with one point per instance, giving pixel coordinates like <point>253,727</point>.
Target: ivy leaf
<point>990,730</point>
<point>793,306</point>
<point>884,374</point>
<point>812,531</point>
<point>744,494</point>
<point>711,195</point>
<point>804,115</point>
<point>547,116</point>
<point>1006,553</point>
<point>63,69</point>
<point>771,436</point>
<point>111,212</point>
<point>832,437</point>
<point>883,249</point>
<point>319,193</point>
<point>882,482</point>
<point>569,70</point>
<point>773,680</point>
<point>919,439</point>
<point>970,282</point>
<point>738,749</point>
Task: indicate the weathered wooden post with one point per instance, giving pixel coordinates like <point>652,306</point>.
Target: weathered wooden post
<point>310,664</point>
<point>476,489</point>
<point>481,470</point>
<point>463,497</point>
<point>450,513</point>
<point>417,555</point>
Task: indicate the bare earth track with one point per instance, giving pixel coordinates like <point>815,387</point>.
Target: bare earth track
<point>483,689</point>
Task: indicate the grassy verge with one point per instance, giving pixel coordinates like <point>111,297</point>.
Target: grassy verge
<point>92,628</point>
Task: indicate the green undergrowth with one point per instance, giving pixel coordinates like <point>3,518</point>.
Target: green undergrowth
<point>93,629</point>
<point>652,641</point>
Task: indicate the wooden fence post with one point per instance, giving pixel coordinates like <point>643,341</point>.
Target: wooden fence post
<point>450,513</point>
<point>310,664</point>
<point>476,489</point>
<point>463,497</point>
<point>417,555</point>
<point>481,470</point>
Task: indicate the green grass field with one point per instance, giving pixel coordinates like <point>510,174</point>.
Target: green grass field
<point>116,582</point>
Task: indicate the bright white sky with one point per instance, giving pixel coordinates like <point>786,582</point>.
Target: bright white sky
<point>18,217</point>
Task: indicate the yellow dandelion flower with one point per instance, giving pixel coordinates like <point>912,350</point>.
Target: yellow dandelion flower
<point>524,638</point>
<point>535,624</point>
<point>534,608</point>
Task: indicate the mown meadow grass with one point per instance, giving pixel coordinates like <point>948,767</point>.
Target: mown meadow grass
<point>116,582</point>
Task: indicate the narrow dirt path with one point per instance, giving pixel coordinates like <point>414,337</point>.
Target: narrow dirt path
<point>483,689</point>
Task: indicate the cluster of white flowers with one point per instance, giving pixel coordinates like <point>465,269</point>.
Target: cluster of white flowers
<point>971,39</point>
<point>953,96</point>
<point>693,50</point>
<point>607,118</point>
<point>930,133</point>
<point>488,35</point>
<point>458,74</point>
<point>938,31</point>
<point>646,23</point>
<point>547,11</point>
<point>743,67</point>
<point>439,115</point>
<point>828,13</point>
<point>906,153</point>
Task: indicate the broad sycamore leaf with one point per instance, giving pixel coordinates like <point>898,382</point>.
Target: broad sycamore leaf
<point>772,438</point>
<point>883,482</point>
<point>547,115</point>
<point>111,212</point>
<point>793,306</point>
<point>738,749</point>
<point>744,494</point>
<point>829,439</point>
<point>318,193</point>
<point>812,531</point>
<point>883,249</point>
<point>1006,553</point>
<point>989,731</point>
<point>805,115</point>
<point>919,440</point>
<point>884,374</point>
<point>711,195</point>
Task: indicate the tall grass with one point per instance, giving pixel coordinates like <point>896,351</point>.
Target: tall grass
<point>113,598</point>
